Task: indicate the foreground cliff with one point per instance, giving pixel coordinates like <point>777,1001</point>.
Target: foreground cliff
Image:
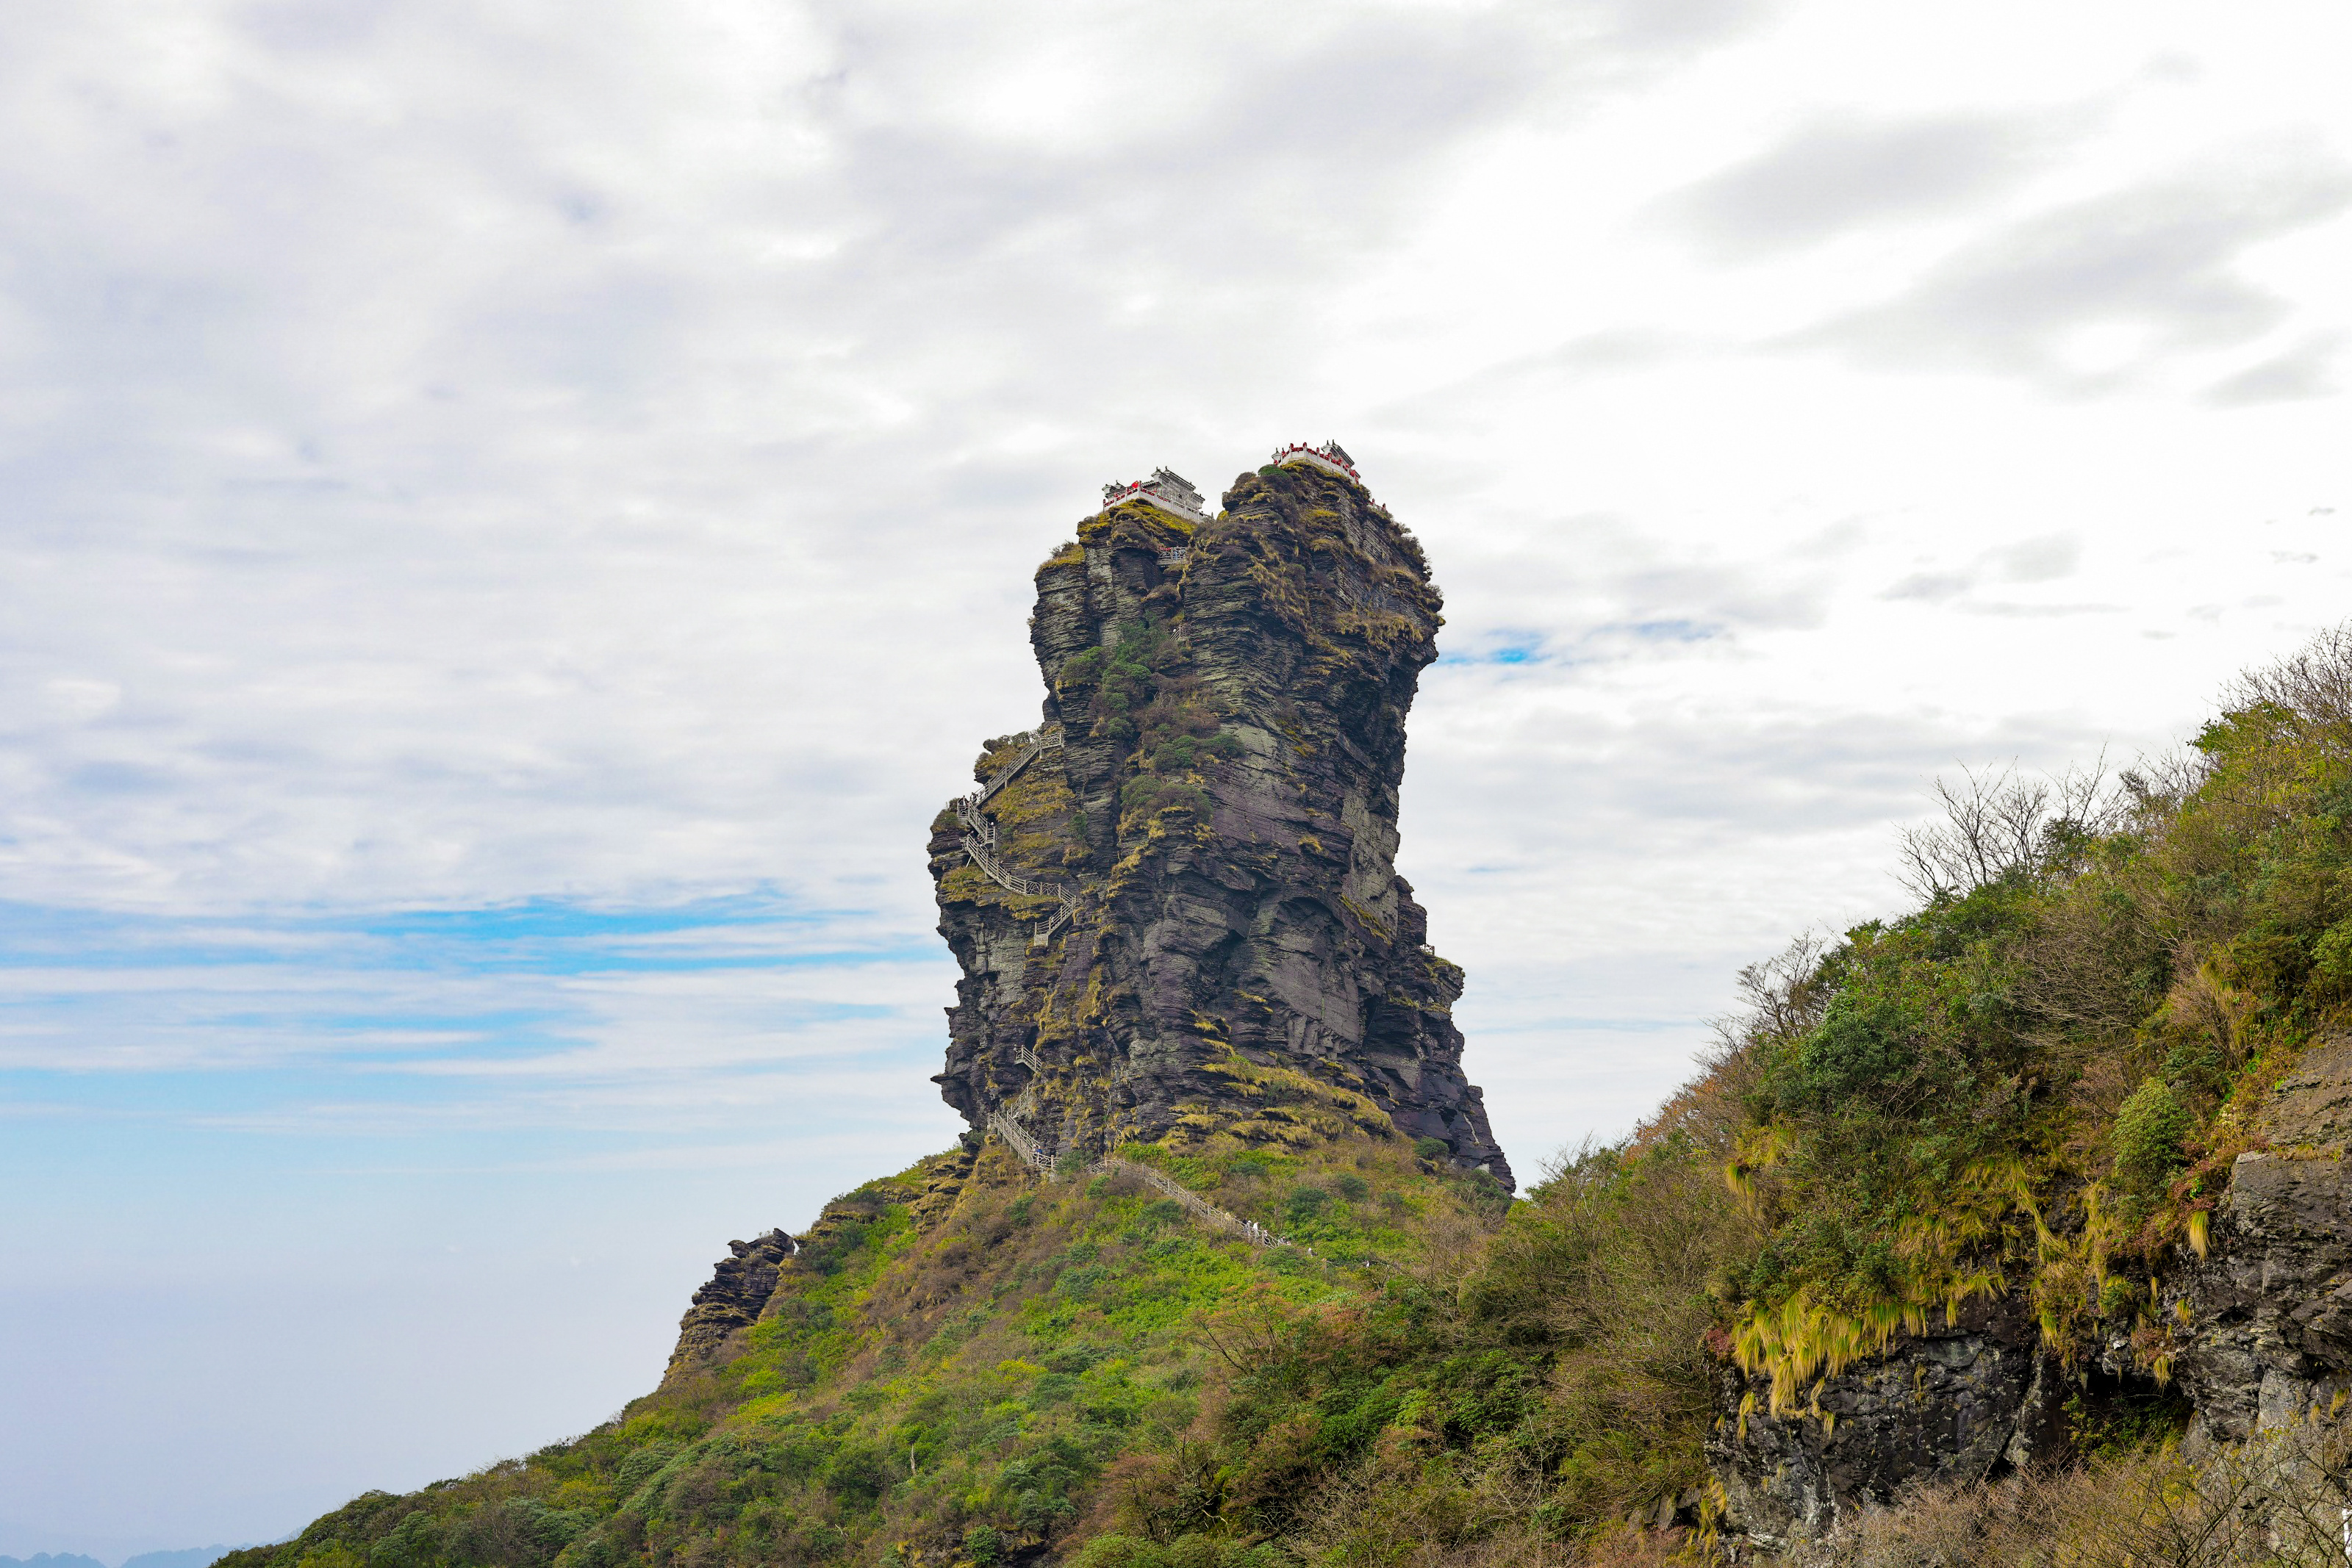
<point>2051,1172</point>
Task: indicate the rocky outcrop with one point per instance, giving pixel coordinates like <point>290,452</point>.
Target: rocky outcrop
<point>760,1277</point>
<point>1190,888</point>
<point>737,1293</point>
<point>2268,1315</point>
<point>2257,1335</point>
<point>1963,1400</point>
<point>1199,878</point>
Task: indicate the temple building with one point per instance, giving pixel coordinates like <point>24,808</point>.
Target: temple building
<point>1168,490</point>
<point>1332,457</point>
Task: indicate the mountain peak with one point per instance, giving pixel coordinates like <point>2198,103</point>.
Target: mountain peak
<point>1184,878</point>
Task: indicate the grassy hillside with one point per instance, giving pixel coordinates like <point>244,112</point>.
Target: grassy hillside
<point>966,1363</point>
<point>2031,1086</point>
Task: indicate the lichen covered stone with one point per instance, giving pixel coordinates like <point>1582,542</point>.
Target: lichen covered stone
<point>1240,957</point>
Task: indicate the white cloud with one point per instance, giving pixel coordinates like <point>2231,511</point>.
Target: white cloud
<point>2301,372</point>
<point>1843,173</point>
<point>2081,297</point>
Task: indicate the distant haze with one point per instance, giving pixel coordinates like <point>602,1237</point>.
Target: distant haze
<point>187,1557</point>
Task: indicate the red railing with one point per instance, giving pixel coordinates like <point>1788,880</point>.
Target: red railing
<point>1321,454</point>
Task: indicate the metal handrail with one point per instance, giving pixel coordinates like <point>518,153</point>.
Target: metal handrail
<point>1018,1139</point>
<point>1062,917</point>
<point>1249,1231</point>
<point>1027,886</point>
<point>979,839</point>
<point>1022,1143</point>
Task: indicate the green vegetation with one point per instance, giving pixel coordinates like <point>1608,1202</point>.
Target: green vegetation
<point>963,1368</point>
<point>2036,1082</point>
<point>958,1364</point>
<point>2149,1130</point>
<point>1143,689</point>
<point>2032,1085</point>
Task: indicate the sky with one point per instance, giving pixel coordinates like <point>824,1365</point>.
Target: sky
<point>515,516</point>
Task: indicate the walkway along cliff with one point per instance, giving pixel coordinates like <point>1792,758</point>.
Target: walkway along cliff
<point>1188,868</point>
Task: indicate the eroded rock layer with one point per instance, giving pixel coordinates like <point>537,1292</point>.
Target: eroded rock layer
<point>1205,861</point>
<point>737,1293</point>
<point>2255,1335</point>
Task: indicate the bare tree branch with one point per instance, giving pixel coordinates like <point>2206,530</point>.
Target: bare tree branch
<point>1997,824</point>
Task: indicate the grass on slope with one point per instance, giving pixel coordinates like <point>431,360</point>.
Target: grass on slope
<point>2034,1082</point>
<point>956,1368</point>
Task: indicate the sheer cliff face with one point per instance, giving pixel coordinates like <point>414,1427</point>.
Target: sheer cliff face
<point>1206,857</point>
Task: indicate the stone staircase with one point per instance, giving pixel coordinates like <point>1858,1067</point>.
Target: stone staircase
<point>980,840</point>
<point>1022,1143</point>
<point>1007,1126</point>
<point>1200,1208</point>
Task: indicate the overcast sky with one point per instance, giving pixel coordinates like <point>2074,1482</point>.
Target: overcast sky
<point>516,515</point>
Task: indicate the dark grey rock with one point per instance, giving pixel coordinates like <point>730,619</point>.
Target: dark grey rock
<point>739,1290</point>
<point>1264,918</point>
<point>2268,1329</point>
<point>1964,1400</point>
<point>2260,1336</point>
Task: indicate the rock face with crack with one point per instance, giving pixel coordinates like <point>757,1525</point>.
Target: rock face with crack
<point>2257,1336</point>
<point>2267,1318</point>
<point>1192,879</point>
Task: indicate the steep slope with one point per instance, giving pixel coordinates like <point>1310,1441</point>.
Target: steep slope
<point>1216,1096</point>
<point>963,1364</point>
<point>2054,1164</point>
<point>1191,866</point>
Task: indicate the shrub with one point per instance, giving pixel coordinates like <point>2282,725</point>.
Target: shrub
<point>1863,1049</point>
<point>641,1464</point>
<point>2331,958</point>
<point>520,1532</point>
<point>413,1543</point>
<point>858,1475</point>
<point>594,1550</point>
<point>2148,1137</point>
<point>1184,1551</point>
